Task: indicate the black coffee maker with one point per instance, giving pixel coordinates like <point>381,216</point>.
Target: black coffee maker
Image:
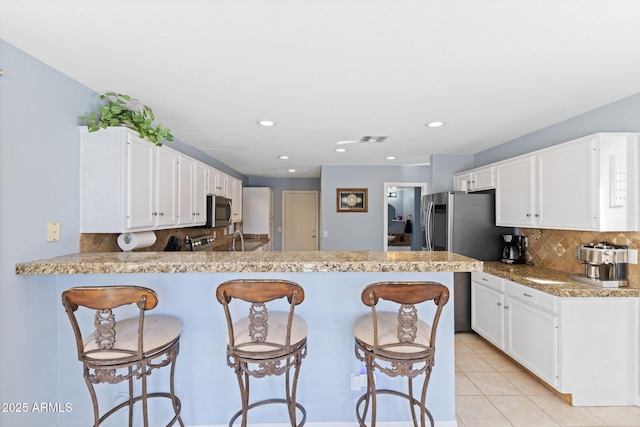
<point>514,248</point>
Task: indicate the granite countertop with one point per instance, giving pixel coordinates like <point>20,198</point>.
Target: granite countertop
<point>553,282</point>
<point>250,262</point>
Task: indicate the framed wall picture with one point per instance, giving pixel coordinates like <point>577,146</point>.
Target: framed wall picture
<point>352,200</point>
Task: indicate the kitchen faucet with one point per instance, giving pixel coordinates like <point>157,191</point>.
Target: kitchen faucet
<point>233,242</point>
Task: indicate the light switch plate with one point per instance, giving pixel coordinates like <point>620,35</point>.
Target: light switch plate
<point>53,231</point>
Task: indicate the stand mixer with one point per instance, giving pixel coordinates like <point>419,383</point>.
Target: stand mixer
<point>605,264</point>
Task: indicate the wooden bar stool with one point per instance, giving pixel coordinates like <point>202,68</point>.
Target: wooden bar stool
<point>125,349</point>
<point>393,342</point>
<point>265,338</point>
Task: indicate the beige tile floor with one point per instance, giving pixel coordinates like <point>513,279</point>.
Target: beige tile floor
<point>492,391</point>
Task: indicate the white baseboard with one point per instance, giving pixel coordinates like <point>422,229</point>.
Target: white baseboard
<point>452,423</point>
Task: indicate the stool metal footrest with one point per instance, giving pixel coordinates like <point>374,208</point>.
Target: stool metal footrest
<point>269,401</point>
<point>175,401</point>
<point>413,401</point>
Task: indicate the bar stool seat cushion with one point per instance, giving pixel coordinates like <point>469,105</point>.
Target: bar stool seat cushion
<point>388,332</point>
<point>276,333</point>
<point>158,331</point>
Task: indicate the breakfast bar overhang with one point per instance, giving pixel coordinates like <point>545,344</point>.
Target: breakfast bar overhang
<point>185,282</point>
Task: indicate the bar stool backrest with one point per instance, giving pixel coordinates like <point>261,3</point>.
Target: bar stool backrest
<point>407,294</point>
<point>257,292</point>
<point>104,300</point>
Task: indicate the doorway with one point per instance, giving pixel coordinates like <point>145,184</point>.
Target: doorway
<point>299,220</point>
<point>402,222</point>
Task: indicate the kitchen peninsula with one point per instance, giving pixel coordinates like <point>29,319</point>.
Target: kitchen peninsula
<point>186,282</point>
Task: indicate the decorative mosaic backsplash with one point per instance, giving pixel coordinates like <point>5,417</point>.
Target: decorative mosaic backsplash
<point>556,249</point>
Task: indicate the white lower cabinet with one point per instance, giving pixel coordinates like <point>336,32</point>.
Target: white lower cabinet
<point>532,339</point>
<point>582,346</point>
<point>487,315</point>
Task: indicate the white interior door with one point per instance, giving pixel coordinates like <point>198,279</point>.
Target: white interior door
<point>299,220</point>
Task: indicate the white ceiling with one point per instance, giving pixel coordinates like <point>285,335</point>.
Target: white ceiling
<point>329,71</point>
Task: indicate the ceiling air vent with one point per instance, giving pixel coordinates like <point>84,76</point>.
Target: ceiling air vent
<point>373,139</point>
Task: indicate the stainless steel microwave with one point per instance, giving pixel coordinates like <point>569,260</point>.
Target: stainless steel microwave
<point>218,211</point>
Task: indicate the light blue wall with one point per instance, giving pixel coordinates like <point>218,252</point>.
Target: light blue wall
<point>360,230</point>
<point>619,116</point>
<point>443,166</point>
<point>278,185</point>
<point>39,111</point>
<point>205,158</point>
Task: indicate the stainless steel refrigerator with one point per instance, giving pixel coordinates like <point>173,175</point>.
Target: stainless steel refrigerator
<point>463,223</point>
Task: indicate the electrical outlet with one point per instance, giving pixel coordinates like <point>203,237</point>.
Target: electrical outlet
<point>358,381</point>
<point>632,255</point>
<point>53,231</point>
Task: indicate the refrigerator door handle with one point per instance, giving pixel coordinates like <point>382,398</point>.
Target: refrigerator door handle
<point>429,226</point>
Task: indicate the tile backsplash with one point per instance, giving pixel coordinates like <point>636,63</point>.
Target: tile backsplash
<point>556,249</point>
<point>107,242</point>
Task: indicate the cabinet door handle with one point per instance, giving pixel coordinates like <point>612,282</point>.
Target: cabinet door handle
<point>485,279</point>
<point>506,307</point>
<point>537,215</point>
<point>499,304</point>
<point>527,295</point>
<point>528,215</point>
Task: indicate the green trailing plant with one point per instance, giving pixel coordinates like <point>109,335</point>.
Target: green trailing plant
<point>122,110</point>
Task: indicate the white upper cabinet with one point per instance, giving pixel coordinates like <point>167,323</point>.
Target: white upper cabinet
<point>166,191</point>
<point>475,180</point>
<point>586,184</point>
<point>461,181</point>
<point>566,191</point>
<point>515,192</point>
<point>236,205</point>
<point>217,183</point>
<point>140,183</point>
<point>484,178</point>
<point>223,185</point>
<point>192,192</point>
<point>186,178</point>
<point>200,194</point>
<point>129,184</point>
<point>126,183</point>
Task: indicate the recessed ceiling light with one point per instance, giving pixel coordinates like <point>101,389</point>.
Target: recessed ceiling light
<point>435,124</point>
<point>266,123</point>
<point>292,170</point>
<point>283,157</point>
<point>391,157</point>
<point>341,150</point>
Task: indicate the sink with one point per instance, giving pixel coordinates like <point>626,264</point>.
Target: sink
<point>391,238</point>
